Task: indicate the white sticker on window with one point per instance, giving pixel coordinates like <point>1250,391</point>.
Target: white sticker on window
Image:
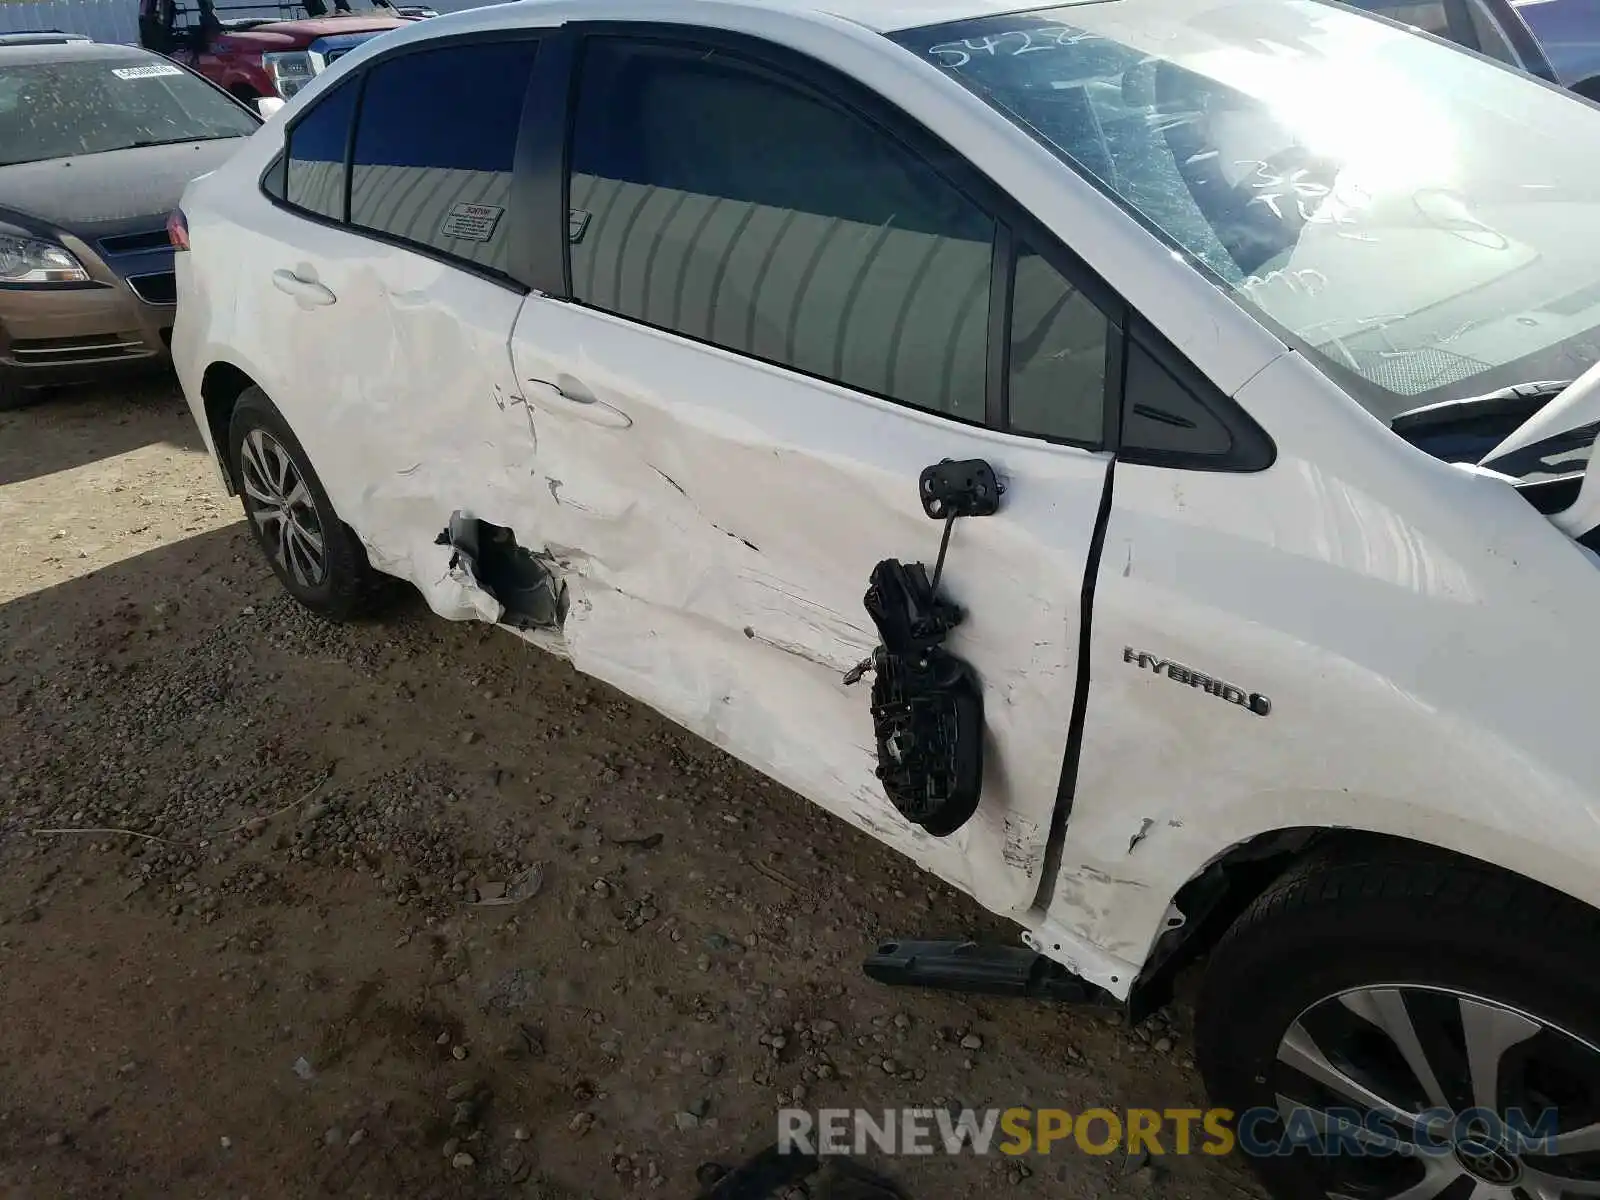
<point>471,222</point>
<point>148,72</point>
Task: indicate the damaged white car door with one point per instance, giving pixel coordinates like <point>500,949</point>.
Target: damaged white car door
<point>400,301</point>
<point>780,314</point>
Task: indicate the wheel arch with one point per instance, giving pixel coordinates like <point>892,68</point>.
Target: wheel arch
<point>220,389</point>
<point>1220,892</point>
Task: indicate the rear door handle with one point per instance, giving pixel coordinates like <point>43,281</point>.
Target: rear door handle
<point>573,399</point>
<point>308,292</point>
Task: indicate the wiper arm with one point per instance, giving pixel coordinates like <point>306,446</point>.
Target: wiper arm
<point>174,141</point>
<point>1520,402</point>
<point>1465,430</point>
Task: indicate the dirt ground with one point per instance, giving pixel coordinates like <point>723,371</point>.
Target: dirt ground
<point>409,909</point>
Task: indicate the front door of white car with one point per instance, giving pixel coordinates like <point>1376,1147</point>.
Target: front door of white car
<point>781,313</point>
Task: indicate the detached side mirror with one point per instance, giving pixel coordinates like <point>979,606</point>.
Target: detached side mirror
<point>1546,445</point>
<point>1582,520</point>
<point>268,105</point>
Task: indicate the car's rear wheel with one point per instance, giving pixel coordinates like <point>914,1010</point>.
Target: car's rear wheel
<point>1397,982</point>
<point>314,554</point>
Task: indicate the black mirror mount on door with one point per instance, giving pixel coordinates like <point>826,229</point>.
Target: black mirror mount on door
<point>960,489</point>
<point>927,704</point>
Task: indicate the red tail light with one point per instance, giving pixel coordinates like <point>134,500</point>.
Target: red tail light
<point>178,230</point>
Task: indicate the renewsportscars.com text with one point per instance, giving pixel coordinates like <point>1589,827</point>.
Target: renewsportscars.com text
<point>1261,1132</point>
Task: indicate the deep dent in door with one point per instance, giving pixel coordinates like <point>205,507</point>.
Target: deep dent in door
<point>653,546</point>
<point>689,613</point>
<point>637,599</point>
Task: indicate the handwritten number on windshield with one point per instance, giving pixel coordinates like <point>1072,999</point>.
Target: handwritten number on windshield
<point>1009,44</point>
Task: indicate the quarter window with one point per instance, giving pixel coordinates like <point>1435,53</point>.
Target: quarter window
<point>1058,355</point>
<point>272,180</point>
<point>435,144</point>
<point>316,155</point>
<point>713,199</point>
<point>1164,421</point>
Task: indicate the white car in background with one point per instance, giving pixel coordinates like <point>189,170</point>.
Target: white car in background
<point>1230,343</point>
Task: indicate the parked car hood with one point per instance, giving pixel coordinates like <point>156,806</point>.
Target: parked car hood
<point>92,194</point>
<point>284,35</point>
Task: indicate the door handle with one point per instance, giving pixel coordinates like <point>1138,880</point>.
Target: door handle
<point>575,400</point>
<point>308,292</point>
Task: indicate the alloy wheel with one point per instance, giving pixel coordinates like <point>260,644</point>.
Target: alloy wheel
<point>1424,1093</point>
<point>278,501</point>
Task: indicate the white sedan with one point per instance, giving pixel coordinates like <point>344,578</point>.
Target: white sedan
<point>1218,358</point>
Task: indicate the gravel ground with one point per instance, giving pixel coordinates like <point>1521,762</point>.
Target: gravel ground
<point>410,909</point>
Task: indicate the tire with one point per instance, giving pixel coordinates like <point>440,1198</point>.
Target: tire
<point>13,397</point>
<point>1469,954</point>
<point>345,586</point>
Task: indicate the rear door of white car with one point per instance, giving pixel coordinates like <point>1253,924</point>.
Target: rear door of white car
<point>781,303</point>
<point>293,296</point>
<point>391,251</point>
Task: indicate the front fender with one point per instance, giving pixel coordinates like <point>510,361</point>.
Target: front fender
<point>1118,904</point>
<point>1424,636</point>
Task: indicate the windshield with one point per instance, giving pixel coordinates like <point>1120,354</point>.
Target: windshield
<point>57,109</point>
<point>1425,225</point>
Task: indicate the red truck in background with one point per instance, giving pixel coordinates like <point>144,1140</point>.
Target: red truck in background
<point>265,51</point>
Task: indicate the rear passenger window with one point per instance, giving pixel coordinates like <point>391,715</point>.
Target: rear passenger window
<point>435,145</point>
<point>716,200</point>
<point>316,154</point>
<point>1058,355</point>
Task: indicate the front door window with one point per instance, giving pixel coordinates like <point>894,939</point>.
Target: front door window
<point>715,201</point>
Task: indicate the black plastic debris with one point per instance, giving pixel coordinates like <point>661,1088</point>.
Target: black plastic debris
<point>927,704</point>
<point>765,1176</point>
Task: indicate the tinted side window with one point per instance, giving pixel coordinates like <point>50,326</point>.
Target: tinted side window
<point>272,179</point>
<point>435,145</point>
<point>1058,355</point>
<point>317,146</point>
<point>713,199</point>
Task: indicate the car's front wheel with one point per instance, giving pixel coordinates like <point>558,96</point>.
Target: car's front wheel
<point>314,554</point>
<point>12,396</point>
<point>1393,1025</point>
